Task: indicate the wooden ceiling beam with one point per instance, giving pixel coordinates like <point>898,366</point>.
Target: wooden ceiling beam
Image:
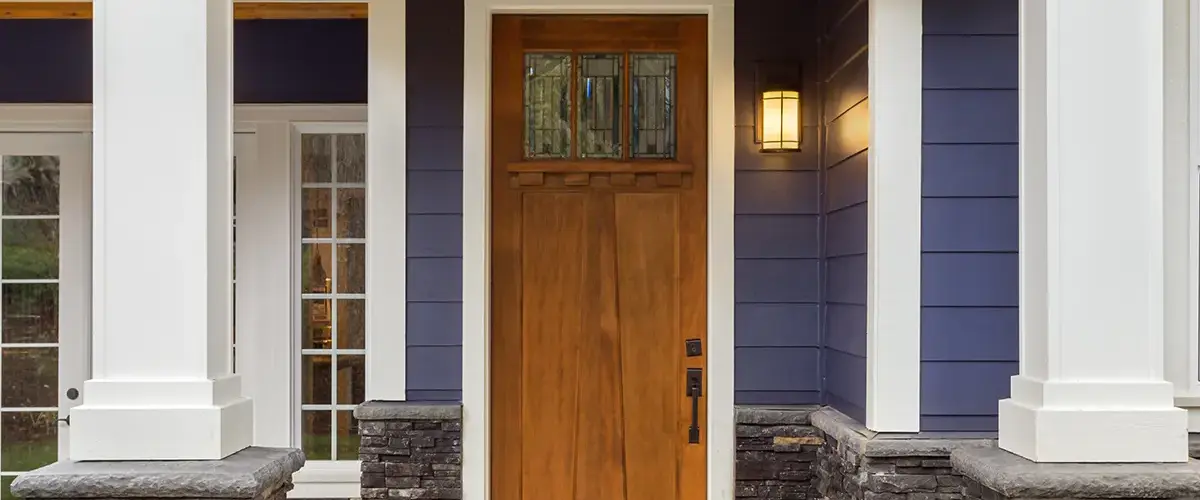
<point>241,10</point>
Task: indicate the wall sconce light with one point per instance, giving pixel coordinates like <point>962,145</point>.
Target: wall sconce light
<point>778,107</point>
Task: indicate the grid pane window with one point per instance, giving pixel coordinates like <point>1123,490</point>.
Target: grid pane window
<point>29,309</point>
<point>614,106</point>
<point>332,298</point>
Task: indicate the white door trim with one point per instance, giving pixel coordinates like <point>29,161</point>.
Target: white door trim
<point>476,227</point>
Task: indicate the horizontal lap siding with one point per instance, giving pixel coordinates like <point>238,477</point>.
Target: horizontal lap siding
<point>969,212</point>
<point>275,61</point>
<point>777,221</point>
<point>846,116</point>
<point>435,82</point>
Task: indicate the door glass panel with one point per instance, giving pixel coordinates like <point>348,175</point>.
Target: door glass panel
<point>547,106</point>
<point>653,108</point>
<point>333,274</point>
<point>29,312</point>
<point>600,108</point>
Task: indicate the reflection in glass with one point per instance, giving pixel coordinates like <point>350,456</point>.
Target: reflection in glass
<point>347,436</point>
<point>547,105</point>
<point>315,435</point>
<point>652,78</point>
<point>317,323</point>
<point>600,108</point>
<point>352,211</point>
<point>351,385</point>
<point>315,151</point>
<point>29,377</point>
<point>315,213</point>
<point>31,185</point>
<point>315,380</point>
<point>316,274</point>
<point>351,323</point>
<point>352,268</point>
<point>28,439</point>
<point>29,313</point>
<point>352,158</point>
<point>30,248</point>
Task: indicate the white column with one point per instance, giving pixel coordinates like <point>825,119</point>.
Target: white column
<point>894,217</point>
<point>1092,238</point>
<point>162,301</point>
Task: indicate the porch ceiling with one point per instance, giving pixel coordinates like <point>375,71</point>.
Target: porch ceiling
<point>241,10</point>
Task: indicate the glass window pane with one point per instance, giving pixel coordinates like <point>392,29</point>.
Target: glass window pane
<point>351,379</point>
<point>29,313</point>
<point>547,105</point>
<point>652,78</point>
<point>29,377</point>
<point>315,213</point>
<point>351,324</point>
<point>352,158</point>
<point>600,106</point>
<point>316,268</point>
<point>28,440</point>
<point>315,151</point>
<point>30,248</point>
<point>30,185</point>
<point>316,380</point>
<point>352,213</point>
<point>315,435</point>
<point>316,317</point>
<point>347,436</point>
<point>352,268</point>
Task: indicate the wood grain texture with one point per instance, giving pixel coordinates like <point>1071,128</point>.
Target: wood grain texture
<point>598,278</point>
<point>241,10</point>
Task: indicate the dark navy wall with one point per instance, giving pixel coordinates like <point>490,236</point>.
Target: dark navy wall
<point>969,212</point>
<point>277,61</point>
<point>777,219</point>
<point>435,82</point>
<point>846,117</point>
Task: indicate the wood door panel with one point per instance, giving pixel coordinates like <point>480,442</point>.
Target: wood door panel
<point>597,280</point>
<point>648,298</point>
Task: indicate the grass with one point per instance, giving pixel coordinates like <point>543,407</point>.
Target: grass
<point>25,456</point>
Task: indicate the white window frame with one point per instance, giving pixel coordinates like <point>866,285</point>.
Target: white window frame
<point>74,262</point>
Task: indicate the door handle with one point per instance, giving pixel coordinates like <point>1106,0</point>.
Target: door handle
<point>695,383</point>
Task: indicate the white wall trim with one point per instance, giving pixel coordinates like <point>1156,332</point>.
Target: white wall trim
<point>895,34</point>
<point>1181,186</point>
<point>387,222</point>
<point>476,227</point>
<point>78,117</point>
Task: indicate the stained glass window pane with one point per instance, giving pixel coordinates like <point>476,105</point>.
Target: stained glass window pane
<point>600,106</point>
<point>547,105</point>
<point>652,78</point>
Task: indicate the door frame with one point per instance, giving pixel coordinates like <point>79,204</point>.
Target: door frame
<point>477,225</point>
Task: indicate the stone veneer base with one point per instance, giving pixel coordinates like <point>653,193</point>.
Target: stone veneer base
<point>250,474</point>
<point>857,463</point>
<point>410,450</point>
<point>994,474</point>
<point>776,450</point>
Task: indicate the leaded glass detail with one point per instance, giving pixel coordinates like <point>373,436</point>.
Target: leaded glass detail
<point>652,82</point>
<point>547,105</point>
<point>600,106</point>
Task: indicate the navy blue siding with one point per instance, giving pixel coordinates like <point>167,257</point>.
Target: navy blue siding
<point>969,212</point>
<point>435,82</point>
<point>777,221</point>
<point>276,61</point>
<point>845,114</point>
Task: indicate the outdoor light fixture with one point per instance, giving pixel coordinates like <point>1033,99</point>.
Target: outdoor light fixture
<point>780,120</point>
<point>778,94</point>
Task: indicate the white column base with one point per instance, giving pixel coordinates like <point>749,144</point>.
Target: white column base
<point>161,420</point>
<point>1190,404</point>
<point>1075,422</point>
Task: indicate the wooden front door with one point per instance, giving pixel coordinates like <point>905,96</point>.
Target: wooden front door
<point>598,257</point>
